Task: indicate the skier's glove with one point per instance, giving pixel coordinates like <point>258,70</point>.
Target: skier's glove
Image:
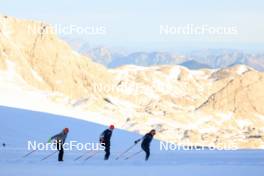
<point>136,141</point>
<point>49,141</point>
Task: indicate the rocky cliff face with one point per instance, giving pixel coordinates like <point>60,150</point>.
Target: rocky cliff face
<point>45,61</point>
<point>241,95</point>
<point>204,107</point>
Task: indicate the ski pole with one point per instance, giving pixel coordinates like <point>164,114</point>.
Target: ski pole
<point>132,155</point>
<point>49,155</point>
<point>92,155</point>
<point>29,153</point>
<point>129,148</point>
<point>82,155</point>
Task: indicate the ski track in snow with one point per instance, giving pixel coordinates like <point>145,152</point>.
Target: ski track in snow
<point>17,126</point>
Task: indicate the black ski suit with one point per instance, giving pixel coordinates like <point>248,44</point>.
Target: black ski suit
<point>146,144</point>
<point>60,139</point>
<point>105,141</point>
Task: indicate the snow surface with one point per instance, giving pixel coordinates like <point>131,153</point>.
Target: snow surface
<point>17,126</point>
<point>36,75</point>
<point>15,92</point>
<point>175,73</point>
<point>242,69</point>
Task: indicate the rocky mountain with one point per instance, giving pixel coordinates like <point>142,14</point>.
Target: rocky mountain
<point>194,65</point>
<point>45,61</point>
<point>102,55</point>
<point>207,107</point>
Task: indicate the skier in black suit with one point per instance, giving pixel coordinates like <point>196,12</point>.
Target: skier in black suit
<point>146,140</point>
<point>105,140</point>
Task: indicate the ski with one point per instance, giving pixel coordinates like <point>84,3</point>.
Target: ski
<point>132,155</point>
<point>46,157</point>
<point>127,150</point>
<point>29,153</point>
<point>79,157</point>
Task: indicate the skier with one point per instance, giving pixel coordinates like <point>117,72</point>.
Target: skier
<point>105,138</point>
<point>60,139</point>
<point>146,140</point>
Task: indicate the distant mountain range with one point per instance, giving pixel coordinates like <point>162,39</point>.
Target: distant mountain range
<point>206,58</point>
<point>223,58</point>
<point>114,59</point>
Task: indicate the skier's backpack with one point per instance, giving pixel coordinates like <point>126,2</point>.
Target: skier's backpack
<point>101,139</point>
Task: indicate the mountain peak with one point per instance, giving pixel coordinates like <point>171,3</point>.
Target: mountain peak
<point>34,49</point>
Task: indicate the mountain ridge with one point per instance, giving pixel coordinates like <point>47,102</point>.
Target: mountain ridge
<point>204,58</point>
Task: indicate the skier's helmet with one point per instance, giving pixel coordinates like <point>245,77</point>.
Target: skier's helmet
<point>153,131</point>
<point>111,127</point>
<point>66,130</point>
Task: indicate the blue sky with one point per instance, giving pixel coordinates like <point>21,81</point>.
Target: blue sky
<point>136,23</point>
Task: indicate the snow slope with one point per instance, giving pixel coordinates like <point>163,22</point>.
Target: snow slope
<point>17,126</point>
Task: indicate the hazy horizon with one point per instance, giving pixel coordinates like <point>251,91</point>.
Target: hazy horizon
<point>137,25</point>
